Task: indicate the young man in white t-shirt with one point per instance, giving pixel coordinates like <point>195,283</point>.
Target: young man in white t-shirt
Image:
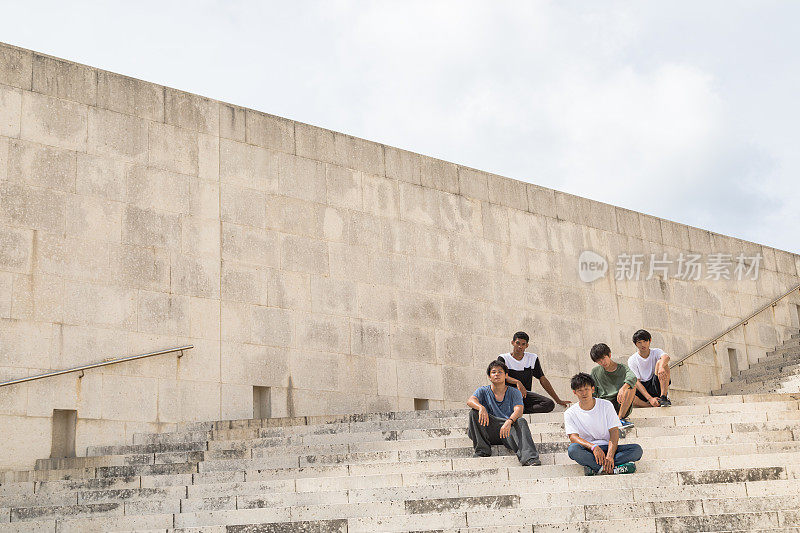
<point>522,368</point>
<point>593,429</point>
<point>651,367</point>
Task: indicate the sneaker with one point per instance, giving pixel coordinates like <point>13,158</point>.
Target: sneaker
<point>622,433</point>
<point>663,401</point>
<point>532,462</point>
<point>589,472</point>
<point>625,468</point>
<point>626,424</point>
<point>479,454</point>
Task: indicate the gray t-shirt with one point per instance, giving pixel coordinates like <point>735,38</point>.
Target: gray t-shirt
<point>497,409</point>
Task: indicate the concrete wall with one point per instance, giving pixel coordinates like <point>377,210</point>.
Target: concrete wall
<point>345,275</point>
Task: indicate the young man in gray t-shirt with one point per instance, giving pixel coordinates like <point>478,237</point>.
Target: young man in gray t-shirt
<point>496,418</point>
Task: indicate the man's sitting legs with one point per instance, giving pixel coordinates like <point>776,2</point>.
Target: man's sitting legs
<point>519,439</point>
<point>653,388</point>
<point>623,403</point>
<point>626,453</point>
<point>536,403</point>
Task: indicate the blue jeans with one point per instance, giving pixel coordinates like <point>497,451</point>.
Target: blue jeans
<point>626,453</point>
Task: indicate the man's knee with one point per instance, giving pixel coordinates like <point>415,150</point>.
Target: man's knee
<point>636,452</point>
<point>548,405</point>
<point>573,450</point>
<point>522,423</point>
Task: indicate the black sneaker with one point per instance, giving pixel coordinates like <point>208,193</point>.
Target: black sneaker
<point>479,454</point>
<point>663,401</point>
<point>532,462</point>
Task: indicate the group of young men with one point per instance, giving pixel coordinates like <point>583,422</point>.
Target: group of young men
<point>594,425</point>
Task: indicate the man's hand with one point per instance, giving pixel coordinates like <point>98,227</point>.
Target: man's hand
<point>608,464</point>
<point>521,388</point>
<point>506,429</point>
<point>654,402</point>
<point>483,416</point>
<point>564,403</point>
<point>599,455</point>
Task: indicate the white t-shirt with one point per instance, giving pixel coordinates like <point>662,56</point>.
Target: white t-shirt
<point>592,425</point>
<point>645,368</point>
<point>528,361</point>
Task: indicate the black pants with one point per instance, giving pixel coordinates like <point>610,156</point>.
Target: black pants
<point>519,439</point>
<point>536,403</point>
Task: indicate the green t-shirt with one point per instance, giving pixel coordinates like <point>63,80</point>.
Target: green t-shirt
<point>607,384</point>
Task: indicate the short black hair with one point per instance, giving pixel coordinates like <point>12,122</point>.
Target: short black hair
<point>599,351</point>
<point>581,380</point>
<point>494,364</point>
<point>641,335</point>
<point>520,335</point>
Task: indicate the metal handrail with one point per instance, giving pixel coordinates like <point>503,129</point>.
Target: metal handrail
<point>742,322</point>
<point>95,365</point>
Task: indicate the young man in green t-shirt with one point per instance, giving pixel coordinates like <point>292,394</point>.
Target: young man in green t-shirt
<point>613,382</point>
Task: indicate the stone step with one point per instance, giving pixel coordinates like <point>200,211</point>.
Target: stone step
<point>783,350</point>
<point>551,453</point>
<point>764,374</point>
<point>642,418</point>
<point>777,373</point>
<point>774,384</point>
<point>791,341</point>
<point>278,454</point>
<point>709,457</point>
<point>712,434</point>
<point>777,356</point>
<point>687,478</point>
<point>773,370</point>
<point>199,431</point>
<point>99,524</point>
<point>418,472</point>
<point>640,494</point>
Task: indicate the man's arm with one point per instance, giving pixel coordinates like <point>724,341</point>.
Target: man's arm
<point>599,455</point>
<point>517,384</point>
<point>608,464</point>
<point>483,414</point>
<point>549,388</point>
<point>506,429</point>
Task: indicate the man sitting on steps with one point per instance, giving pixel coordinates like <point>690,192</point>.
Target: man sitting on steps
<point>613,382</point>
<point>496,418</point>
<point>651,367</point>
<point>593,429</point>
<point>522,368</point>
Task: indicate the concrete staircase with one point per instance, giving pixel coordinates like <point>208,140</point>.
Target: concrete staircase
<point>727,463</point>
<point>778,371</point>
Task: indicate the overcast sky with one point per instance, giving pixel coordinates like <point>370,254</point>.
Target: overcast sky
<point>684,110</point>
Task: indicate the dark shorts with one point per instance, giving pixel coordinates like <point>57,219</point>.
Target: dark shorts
<point>616,405</point>
<point>653,387</point>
